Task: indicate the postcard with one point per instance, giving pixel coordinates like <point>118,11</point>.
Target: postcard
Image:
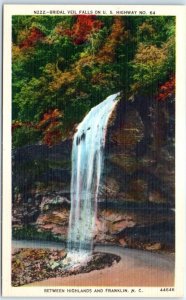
<point>93,172</point>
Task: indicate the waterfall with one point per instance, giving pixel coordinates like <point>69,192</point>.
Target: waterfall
<point>87,165</point>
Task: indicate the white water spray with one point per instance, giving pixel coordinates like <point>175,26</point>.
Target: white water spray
<point>87,164</point>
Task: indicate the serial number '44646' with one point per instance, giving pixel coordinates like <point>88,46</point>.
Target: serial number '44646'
<point>167,289</point>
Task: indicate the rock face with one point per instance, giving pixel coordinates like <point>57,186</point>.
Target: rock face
<point>136,196</point>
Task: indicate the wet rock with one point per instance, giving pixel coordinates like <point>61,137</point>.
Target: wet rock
<point>138,189</point>
<point>122,242</point>
<point>54,221</point>
<point>153,247</point>
<point>130,131</point>
<point>156,197</point>
<point>49,203</point>
<point>138,182</point>
<point>152,237</point>
<point>109,187</point>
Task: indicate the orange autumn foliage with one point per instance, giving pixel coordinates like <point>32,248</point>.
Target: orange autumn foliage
<point>51,127</point>
<point>107,53</point>
<point>18,124</point>
<point>49,117</point>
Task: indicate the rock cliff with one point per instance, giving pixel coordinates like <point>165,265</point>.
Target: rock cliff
<point>136,196</point>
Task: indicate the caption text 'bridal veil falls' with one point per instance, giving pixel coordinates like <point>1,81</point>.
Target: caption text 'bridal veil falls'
<point>87,164</point>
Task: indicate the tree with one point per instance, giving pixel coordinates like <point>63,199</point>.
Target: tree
<point>71,63</point>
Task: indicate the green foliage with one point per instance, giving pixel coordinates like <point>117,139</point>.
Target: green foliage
<point>72,63</point>
<point>24,135</point>
<point>30,233</point>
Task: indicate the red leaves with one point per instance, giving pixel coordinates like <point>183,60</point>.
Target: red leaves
<point>52,138</point>
<point>34,36</point>
<point>51,126</point>
<point>82,28</point>
<point>50,116</point>
<point>19,124</point>
<point>166,90</point>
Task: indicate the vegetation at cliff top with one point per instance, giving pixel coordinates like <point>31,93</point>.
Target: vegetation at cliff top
<point>64,65</point>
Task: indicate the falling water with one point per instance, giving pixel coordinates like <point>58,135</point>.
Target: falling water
<point>87,164</point>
